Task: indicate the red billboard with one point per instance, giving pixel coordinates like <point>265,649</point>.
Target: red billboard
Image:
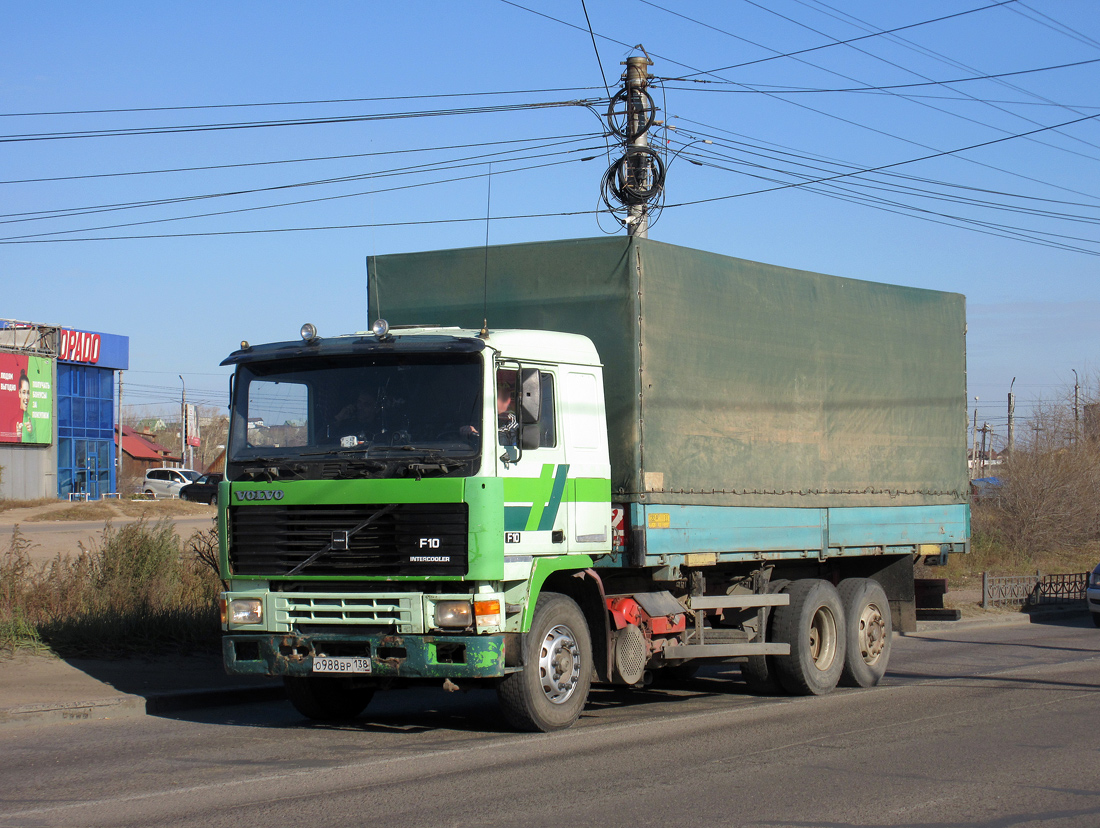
<point>26,399</point>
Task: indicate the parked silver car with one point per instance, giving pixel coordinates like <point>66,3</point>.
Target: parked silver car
<point>167,482</point>
<point>1092,593</point>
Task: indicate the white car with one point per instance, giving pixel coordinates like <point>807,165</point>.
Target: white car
<point>1092,593</point>
<point>167,482</point>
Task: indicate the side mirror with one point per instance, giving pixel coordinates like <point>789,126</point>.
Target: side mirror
<point>530,401</point>
<point>529,436</point>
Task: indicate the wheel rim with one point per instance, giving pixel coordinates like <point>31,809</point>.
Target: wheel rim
<point>872,633</point>
<point>559,664</point>
<point>823,636</point>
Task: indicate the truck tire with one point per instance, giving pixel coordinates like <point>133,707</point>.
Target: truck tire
<point>326,698</point>
<point>813,625</point>
<point>758,672</point>
<point>550,691</point>
<point>867,630</point>
<point>1095,619</point>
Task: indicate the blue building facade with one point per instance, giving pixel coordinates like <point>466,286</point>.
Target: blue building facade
<point>86,410</point>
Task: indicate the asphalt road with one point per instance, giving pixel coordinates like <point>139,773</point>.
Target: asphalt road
<point>989,727</point>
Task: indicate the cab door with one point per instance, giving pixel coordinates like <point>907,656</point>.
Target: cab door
<point>536,515</point>
<point>584,433</point>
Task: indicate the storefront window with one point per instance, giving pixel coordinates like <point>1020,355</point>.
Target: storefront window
<point>85,419</point>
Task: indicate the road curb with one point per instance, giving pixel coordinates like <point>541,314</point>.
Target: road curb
<point>128,706</point>
<point>1013,619</point>
<point>117,707</point>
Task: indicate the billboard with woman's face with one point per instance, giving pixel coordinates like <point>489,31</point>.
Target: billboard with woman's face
<point>26,399</point>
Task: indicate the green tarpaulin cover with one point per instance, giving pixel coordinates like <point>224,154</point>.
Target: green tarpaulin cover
<point>728,382</point>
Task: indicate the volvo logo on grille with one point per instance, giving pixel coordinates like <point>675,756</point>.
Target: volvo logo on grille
<point>340,540</point>
<point>269,494</point>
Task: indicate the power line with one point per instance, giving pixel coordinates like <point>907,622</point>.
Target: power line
<point>297,103</point>
<point>343,119</point>
<point>435,166</point>
<point>577,135</point>
<point>749,88</point>
<point>285,204</point>
<point>824,45</point>
<point>417,223</point>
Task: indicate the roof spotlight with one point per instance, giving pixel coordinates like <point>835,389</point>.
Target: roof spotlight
<point>309,331</point>
<point>380,328</point>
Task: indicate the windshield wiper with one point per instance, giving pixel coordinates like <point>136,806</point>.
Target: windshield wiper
<point>336,451</point>
<point>272,472</point>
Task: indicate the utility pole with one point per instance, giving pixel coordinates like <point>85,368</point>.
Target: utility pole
<point>183,421</point>
<point>637,78</point>
<point>974,450</point>
<point>986,430</point>
<point>118,457</point>
<point>1011,419</point>
<point>636,180</point>
<point>1076,410</point>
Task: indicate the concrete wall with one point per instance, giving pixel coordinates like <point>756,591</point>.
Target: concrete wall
<point>28,472</point>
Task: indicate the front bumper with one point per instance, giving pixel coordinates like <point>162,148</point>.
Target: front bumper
<point>391,656</point>
<point>1093,596</point>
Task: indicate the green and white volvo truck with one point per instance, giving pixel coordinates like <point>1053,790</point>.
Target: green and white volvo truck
<point>647,458</point>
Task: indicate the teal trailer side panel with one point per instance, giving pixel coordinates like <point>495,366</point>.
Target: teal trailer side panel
<point>897,525</point>
<point>751,533</point>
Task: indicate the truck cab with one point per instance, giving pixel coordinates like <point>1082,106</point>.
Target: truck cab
<point>389,495</point>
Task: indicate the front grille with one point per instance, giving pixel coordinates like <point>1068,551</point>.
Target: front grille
<point>412,539</point>
<point>310,609</point>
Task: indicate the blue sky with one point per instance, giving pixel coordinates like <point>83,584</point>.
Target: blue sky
<point>186,301</point>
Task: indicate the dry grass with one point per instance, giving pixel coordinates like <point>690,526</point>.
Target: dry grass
<point>137,591</point>
<point>100,510</point>
<point>1045,518</point>
<point>965,571</point>
<point>162,508</point>
<point>107,509</point>
<point>6,505</point>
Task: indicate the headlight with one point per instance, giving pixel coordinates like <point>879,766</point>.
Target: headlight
<point>246,611</point>
<point>1094,578</point>
<point>453,614</point>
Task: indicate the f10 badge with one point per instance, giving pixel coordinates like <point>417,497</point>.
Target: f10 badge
<point>511,537</point>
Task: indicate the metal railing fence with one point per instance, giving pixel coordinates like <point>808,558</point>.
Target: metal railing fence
<point>1033,590</point>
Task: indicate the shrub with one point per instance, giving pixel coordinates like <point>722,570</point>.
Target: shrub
<point>138,590</point>
<point>1049,501</point>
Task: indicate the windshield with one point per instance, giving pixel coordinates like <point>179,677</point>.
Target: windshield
<point>394,410</point>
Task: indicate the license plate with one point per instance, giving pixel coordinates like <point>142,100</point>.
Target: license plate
<point>341,664</point>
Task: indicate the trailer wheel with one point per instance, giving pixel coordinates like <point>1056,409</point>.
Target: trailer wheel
<point>758,672</point>
<point>326,698</point>
<point>551,690</point>
<point>812,624</point>
<point>867,628</point>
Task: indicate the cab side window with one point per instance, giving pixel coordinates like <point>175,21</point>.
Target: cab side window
<point>507,423</point>
<point>548,433</point>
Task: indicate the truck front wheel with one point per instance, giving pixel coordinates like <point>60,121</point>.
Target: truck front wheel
<point>867,628</point>
<point>813,625</point>
<point>551,690</point>
<point>326,698</point>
